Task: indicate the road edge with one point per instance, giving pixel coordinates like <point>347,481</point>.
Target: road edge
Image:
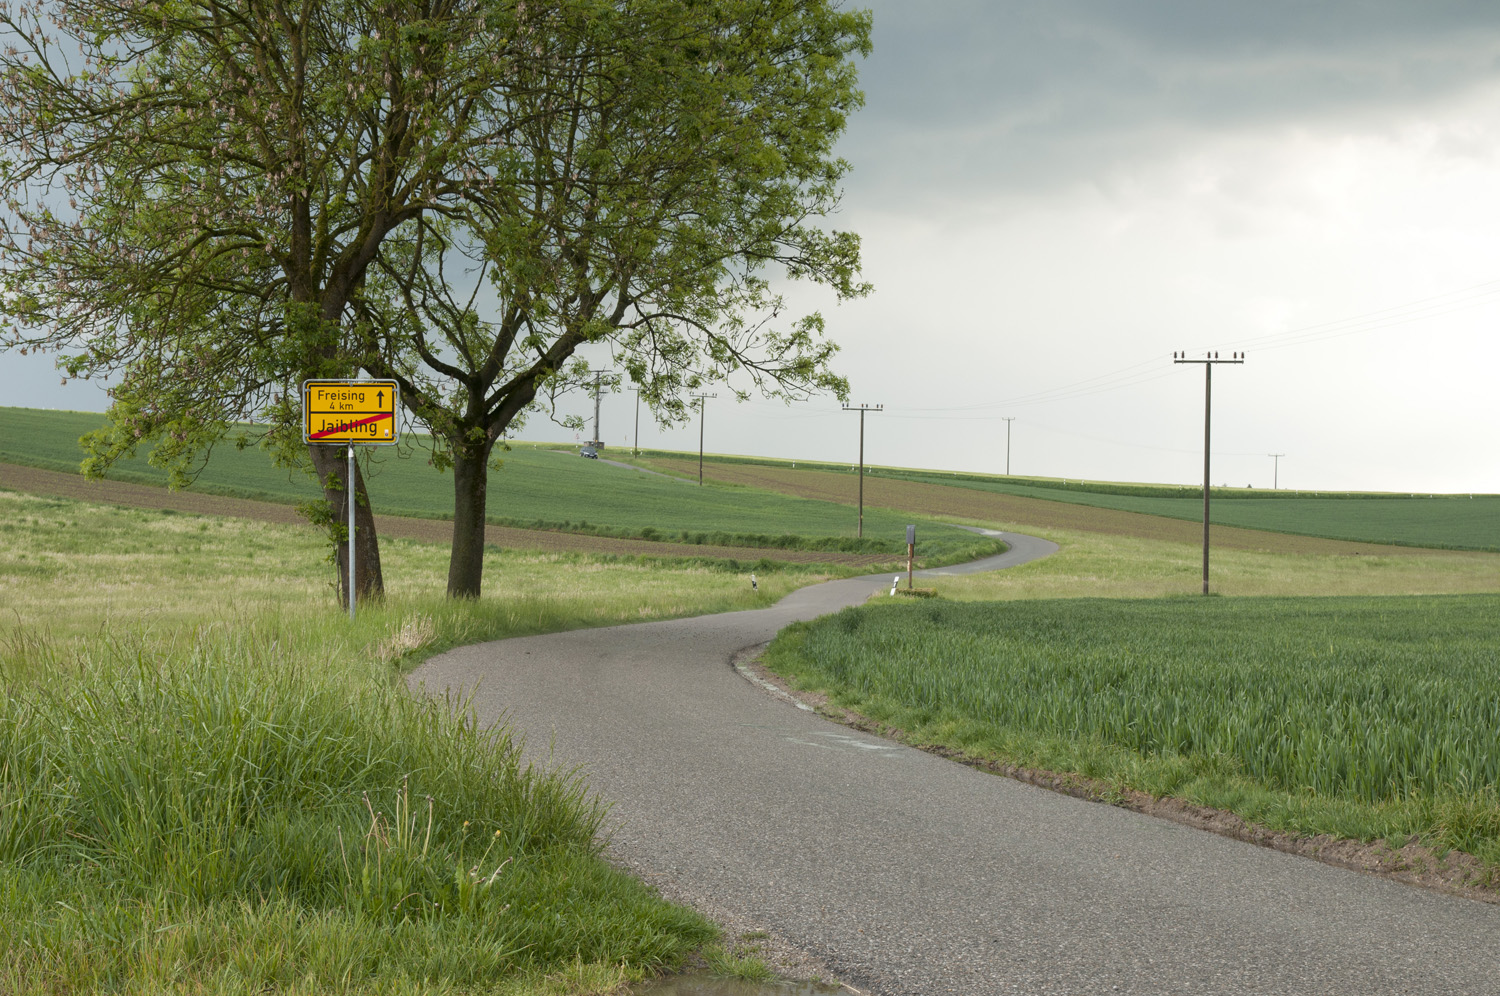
<point>1453,873</point>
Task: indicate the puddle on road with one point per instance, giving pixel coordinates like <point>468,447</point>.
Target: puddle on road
<point>707,985</point>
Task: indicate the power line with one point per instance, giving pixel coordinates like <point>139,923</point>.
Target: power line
<point>1146,371</point>
<point>1421,309</point>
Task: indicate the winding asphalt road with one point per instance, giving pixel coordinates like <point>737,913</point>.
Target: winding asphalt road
<point>909,874</point>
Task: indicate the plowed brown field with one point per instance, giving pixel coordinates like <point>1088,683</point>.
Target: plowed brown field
<point>47,482</point>
<point>942,501</point>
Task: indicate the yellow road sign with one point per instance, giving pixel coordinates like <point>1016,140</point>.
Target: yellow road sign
<point>349,411</point>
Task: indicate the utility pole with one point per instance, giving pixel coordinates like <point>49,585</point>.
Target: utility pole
<point>702,407</point>
<point>598,374</point>
<point>1008,421</point>
<point>1275,468</point>
<point>1209,361</point>
<point>862,409</point>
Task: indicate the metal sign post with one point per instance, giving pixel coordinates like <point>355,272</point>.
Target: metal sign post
<point>349,413</point>
<point>349,501</point>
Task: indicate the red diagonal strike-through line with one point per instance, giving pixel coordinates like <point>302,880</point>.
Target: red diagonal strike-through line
<point>346,426</point>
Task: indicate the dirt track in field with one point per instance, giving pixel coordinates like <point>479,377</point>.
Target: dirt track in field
<point>937,500</point>
<point>1010,511</point>
<point>48,482</point>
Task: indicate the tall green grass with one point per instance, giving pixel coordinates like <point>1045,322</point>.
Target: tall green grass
<point>232,817</point>
<point>211,782</point>
<point>1364,716</point>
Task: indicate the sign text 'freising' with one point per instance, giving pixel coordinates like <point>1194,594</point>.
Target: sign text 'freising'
<point>349,411</point>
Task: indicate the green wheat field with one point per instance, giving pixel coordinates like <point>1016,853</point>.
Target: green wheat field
<point>1365,717</point>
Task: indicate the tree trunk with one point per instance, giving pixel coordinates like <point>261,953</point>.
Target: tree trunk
<point>332,466</point>
<point>470,492</point>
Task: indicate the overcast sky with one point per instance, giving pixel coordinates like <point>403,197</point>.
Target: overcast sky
<point>1055,196</point>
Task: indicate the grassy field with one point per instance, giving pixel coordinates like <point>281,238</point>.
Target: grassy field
<point>1036,515</point>
<point>1457,522</point>
<point>547,486</point>
<point>1103,565</point>
<point>210,782</point>
<point>1460,522</point>
<point>538,486</point>
<point>1362,717</point>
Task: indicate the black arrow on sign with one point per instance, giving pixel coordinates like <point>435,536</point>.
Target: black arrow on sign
<point>380,398</point>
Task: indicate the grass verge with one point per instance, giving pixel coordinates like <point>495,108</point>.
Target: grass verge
<point>210,782</point>
<point>1101,565</point>
<point>1364,718</point>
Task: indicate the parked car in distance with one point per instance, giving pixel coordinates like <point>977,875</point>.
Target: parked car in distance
<point>589,452</point>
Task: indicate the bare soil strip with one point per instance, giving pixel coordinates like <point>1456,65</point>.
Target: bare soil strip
<point>47,482</point>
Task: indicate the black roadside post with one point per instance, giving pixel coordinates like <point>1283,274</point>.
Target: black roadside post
<point>911,552</point>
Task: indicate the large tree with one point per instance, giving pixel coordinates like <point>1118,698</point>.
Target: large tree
<point>668,160</point>
<point>195,191</point>
<point>219,198</point>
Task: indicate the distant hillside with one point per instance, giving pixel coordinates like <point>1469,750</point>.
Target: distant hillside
<point>1455,522</point>
<point>540,486</point>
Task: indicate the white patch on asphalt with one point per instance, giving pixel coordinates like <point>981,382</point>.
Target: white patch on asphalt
<point>831,740</point>
<point>775,692</point>
<point>836,741</point>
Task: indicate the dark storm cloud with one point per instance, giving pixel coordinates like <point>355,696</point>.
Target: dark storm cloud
<point>1021,95</point>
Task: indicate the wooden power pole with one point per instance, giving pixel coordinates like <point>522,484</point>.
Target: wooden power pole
<point>702,399</point>
<point>862,409</point>
<point>1209,361</point>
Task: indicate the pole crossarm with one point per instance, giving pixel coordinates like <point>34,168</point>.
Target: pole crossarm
<point>1209,361</point>
<point>862,409</point>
